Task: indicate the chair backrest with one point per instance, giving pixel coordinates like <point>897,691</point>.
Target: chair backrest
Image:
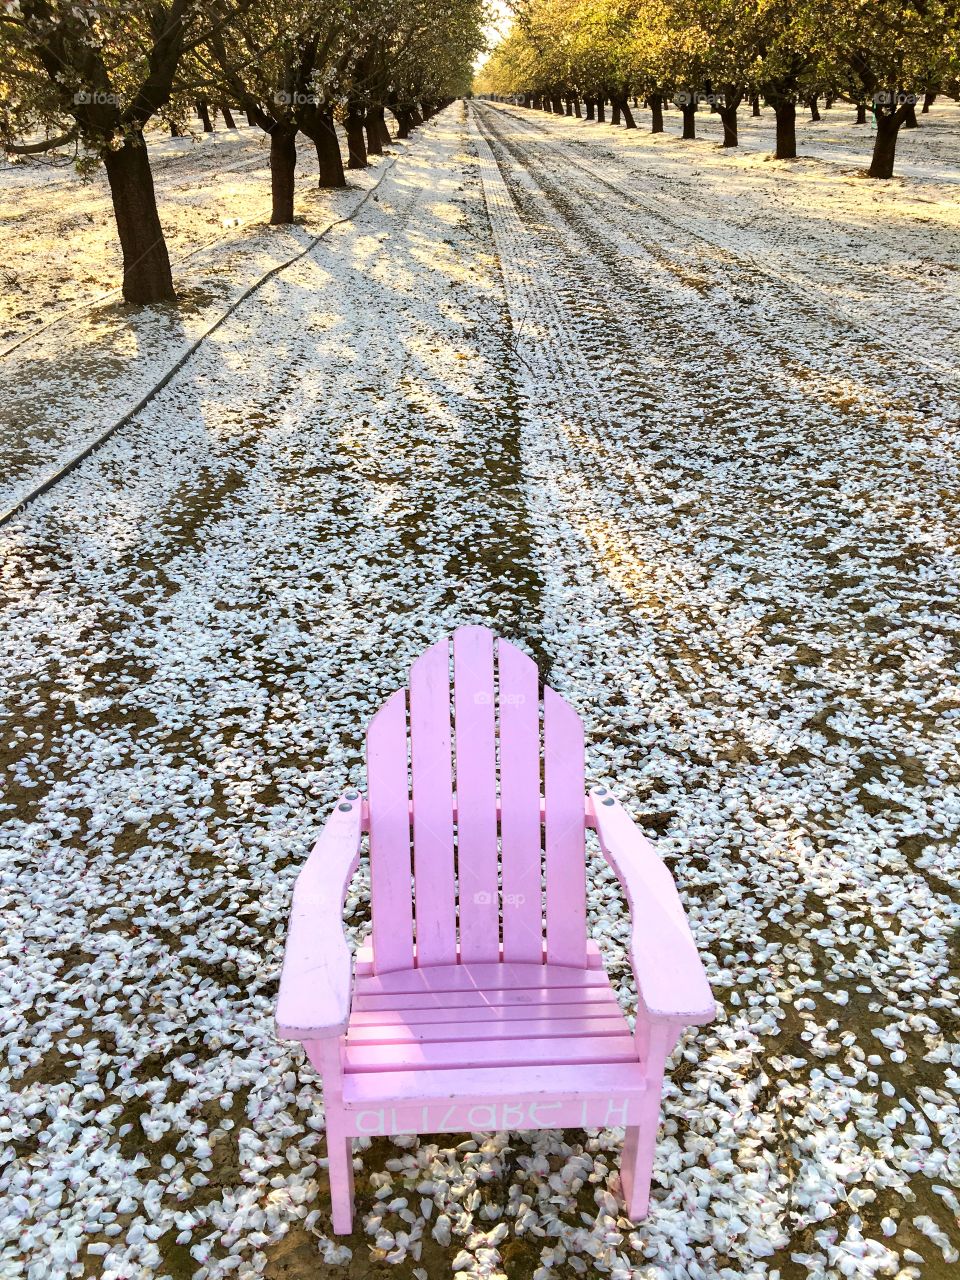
<point>460,848</point>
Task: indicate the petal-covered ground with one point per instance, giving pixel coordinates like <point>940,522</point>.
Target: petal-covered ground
<point>521,387</point>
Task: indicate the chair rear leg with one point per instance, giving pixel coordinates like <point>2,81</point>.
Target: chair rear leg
<point>655,1040</point>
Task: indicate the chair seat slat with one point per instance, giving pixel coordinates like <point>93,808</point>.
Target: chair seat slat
<point>439,1055</point>
<point>598,1006</point>
<point>491,1028</point>
<point>481,977</point>
<point>480,1084</point>
<point>526,996</point>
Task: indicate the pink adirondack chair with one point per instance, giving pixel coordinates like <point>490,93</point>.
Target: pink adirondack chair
<point>481,1005</point>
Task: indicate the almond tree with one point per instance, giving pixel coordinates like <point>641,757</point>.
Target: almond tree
<point>895,52</point>
<point>97,71</point>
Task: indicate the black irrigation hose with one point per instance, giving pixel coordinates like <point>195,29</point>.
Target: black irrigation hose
<point>42,486</point>
<point>86,303</point>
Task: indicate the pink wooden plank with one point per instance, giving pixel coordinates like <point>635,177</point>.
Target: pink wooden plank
<point>315,983</point>
<point>545,1082</point>
<point>489,1115</point>
<point>482,977</point>
<point>364,954</point>
<point>443,1000</point>
<point>520,842</point>
<point>565,832</point>
<point>602,1006</point>
<point>476,794</point>
<point>494,1029</point>
<point>388,794</point>
<point>670,976</point>
<point>433,865</point>
<point>439,1055</point>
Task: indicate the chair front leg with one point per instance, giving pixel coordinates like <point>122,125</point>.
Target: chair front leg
<point>655,1039</point>
<point>326,1057</point>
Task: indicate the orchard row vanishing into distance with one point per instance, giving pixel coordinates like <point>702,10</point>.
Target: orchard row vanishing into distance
<point>95,74</point>
<point>884,56</point>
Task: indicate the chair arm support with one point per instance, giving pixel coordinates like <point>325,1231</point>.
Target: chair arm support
<point>671,981</point>
<point>317,976</point>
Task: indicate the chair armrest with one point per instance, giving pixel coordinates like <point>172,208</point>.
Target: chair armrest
<point>317,976</point>
<point>671,981</point>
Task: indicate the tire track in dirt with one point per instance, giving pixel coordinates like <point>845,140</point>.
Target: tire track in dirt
<point>833,319</point>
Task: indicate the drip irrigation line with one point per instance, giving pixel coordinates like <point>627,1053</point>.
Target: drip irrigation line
<point>48,481</point>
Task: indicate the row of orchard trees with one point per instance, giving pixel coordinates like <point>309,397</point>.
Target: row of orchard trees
<point>880,54</point>
<point>96,73</point>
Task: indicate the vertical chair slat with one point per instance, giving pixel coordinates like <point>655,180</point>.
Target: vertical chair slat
<point>433,864</point>
<point>476,764</point>
<point>520,804</point>
<point>565,832</point>
<point>388,793</point>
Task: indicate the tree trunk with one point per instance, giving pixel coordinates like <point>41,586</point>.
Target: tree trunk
<point>601,114</point>
<point>356,149</point>
<point>814,110</point>
<point>656,112</point>
<point>374,145</point>
<point>861,113</point>
<point>557,105</point>
<point>755,105</point>
<point>885,147</point>
<point>614,110</point>
<point>910,120</point>
<point>204,116</point>
<point>568,106</point>
<point>928,100</point>
<point>728,116</point>
<point>689,110</point>
<point>628,119</point>
<point>250,120</point>
<point>828,103</point>
<point>786,148</point>
<point>329,159</point>
<point>175,130</point>
<point>385,137</point>
<point>416,119</point>
<point>403,121</point>
<point>146,264</point>
<point>589,104</point>
<point>283,165</point>
<point>228,119</point>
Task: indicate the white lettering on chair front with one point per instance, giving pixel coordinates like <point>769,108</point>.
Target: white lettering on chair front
<point>618,1110</point>
<point>363,1126</point>
<point>483,1117</point>
<point>540,1106</point>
